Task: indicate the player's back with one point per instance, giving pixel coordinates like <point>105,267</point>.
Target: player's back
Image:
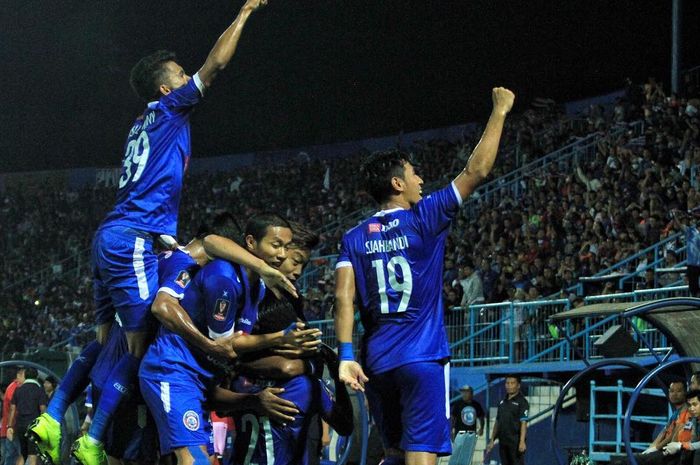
<point>157,152</point>
<point>397,258</point>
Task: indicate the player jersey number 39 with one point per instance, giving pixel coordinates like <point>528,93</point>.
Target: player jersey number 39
<point>135,159</point>
<point>405,286</point>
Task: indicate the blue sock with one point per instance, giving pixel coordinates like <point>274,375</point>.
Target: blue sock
<point>119,384</point>
<point>75,382</point>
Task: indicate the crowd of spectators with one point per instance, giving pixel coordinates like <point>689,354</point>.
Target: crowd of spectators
<point>565,225</point>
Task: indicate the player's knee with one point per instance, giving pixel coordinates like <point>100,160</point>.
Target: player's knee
<point>192,455</point>
<point>137,343</point>
<point>102,332</point>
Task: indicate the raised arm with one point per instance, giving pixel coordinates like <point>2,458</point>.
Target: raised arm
<point>351,372</point>
<point>225,46</point>
<point>484,155</point>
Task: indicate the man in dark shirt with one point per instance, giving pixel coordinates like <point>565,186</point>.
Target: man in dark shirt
<point>28,403</point>
<point>465,413</point>
<point>511,424</point>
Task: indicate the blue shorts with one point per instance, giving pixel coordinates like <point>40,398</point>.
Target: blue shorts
<point>410,404</point>
<point>125,277</point>
<point>177,408</point>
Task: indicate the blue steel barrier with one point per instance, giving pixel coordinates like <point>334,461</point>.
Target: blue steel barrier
<point>510,332</point>
<point>567,387</point>
<point>619,390</point>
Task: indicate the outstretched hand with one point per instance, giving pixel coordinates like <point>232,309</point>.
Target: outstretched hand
<point>275,407</point>
<point>502,100</point>
<point>299,341</point>
<point>352,375</point>
<point>277,282</point>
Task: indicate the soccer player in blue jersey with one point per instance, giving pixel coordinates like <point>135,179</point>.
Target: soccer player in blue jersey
<point>175,375</point>
<point>393,261</point>
<point>125,281</point>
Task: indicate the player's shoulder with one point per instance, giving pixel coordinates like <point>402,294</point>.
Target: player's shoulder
<point>178,257</point>
<point>221,267</point>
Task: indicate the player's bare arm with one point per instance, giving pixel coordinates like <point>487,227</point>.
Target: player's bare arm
<point>350,372</point>
<point>484,155</point>
<point>169,312</point>
<point>265,403</point>
<point>295,336</point>
<point>225,46</point>
<point>221,247</point>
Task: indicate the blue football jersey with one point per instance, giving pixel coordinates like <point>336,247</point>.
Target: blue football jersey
<point>156,155</point>
<point>217,293</point>
<point>692,240</point>
<point>397,258</point>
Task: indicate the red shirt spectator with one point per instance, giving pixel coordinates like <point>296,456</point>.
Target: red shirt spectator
<point>7,401</point>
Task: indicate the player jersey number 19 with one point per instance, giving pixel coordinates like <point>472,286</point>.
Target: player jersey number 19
<point>135,159</point>
<point>404,287</point>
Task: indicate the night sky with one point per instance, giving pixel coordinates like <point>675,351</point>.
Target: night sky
<point>312,71</point>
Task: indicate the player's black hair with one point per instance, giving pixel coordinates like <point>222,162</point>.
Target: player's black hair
<point>257,225</point>
<point>693,393</point>
<point>303,238</point>
<point>378,169</point>
<point>276,314</point>
<point>224,224</point>
<point>147,75</point>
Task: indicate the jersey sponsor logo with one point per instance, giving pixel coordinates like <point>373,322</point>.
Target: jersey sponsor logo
<point>191,420</point>
<point>183,279</point>
<point>378,227</point>
<point>244,321</point>
<point>221,309</point>
<point>391,225</point>
<point>167,254</point>
<point>386,246</point>
<point>120,388</point>
<point>469,415</point>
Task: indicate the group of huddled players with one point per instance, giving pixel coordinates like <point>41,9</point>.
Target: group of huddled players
<point>216,326</point>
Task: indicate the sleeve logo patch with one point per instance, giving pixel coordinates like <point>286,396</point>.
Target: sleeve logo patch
<point>191,420</point>
<point>183,279</point>
<point>221,309</point>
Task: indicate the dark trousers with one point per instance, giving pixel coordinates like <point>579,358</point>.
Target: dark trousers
<point>693,275</point>
<point>509,454</point>
<point>658,458</point>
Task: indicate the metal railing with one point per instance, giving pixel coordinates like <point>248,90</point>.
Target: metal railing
<point>600,449</point>
<point>510,332</point>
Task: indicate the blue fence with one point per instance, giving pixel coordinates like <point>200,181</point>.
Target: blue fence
<point>510,332</point>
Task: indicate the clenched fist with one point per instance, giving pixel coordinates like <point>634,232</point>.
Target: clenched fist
<point>502,100</point>
<point>253,5</point>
